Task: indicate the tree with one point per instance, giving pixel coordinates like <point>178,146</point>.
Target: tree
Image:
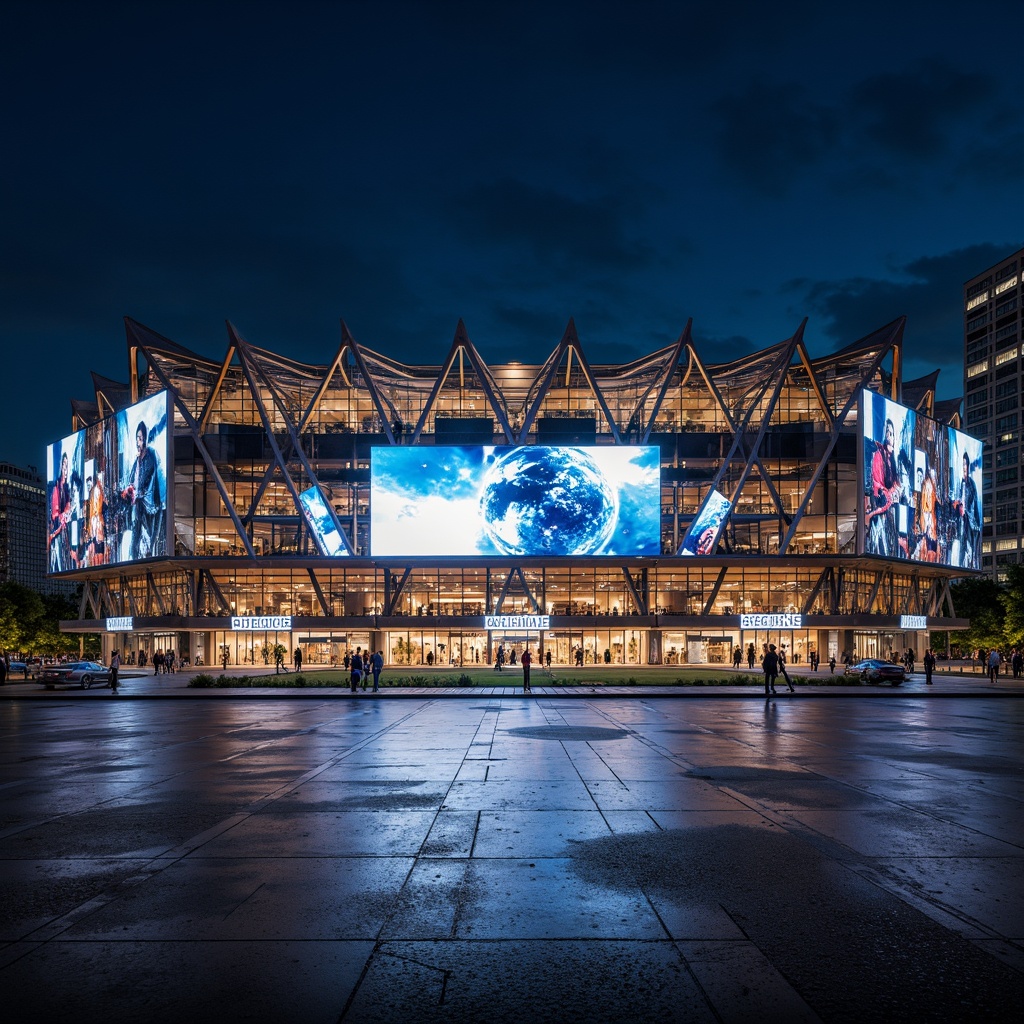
<point>1013,606</point>
<point>21,614</point>
<point>979,599</point>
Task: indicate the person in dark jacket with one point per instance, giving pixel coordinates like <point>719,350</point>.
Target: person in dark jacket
<point>770,664</point>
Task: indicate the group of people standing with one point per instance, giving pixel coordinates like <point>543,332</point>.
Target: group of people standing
<point>994,661</point>
<point>163,662</point>
<point>361,666</point>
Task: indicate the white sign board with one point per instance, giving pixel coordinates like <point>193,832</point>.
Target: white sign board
<point>786,620</point>
<point>250,623</point>
<point>517,622</point>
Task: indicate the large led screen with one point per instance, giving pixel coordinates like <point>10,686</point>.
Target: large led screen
<point>107,490</point>
<point>322,524</point>
<point>922,486</point>
<point>533,501</point>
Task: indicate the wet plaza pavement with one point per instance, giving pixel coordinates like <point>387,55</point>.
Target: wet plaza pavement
<point>500,858</point>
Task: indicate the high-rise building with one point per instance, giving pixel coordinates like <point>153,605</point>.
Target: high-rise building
<point>992,402</point>
<point>23,530</point>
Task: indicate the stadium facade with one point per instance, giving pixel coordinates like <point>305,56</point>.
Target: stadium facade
<point>218,507</point>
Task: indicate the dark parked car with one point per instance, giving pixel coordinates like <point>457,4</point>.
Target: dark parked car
<point>76,673</point>
<point>874,671</point>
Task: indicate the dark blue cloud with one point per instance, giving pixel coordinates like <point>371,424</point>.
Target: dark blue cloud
<point>927,290</point>
<point>769,133</point>
<point>915,112</point>
<point>555,229</point>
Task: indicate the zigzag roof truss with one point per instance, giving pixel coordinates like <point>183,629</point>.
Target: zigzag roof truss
<point>667,372</point>
<point>751,390</point>
<point>335,370</point>
<point>542,384</point>
<point>891,345</point>
<point>197,437</point>
<point>254,365</point>
<point>195,378</point>
<point>462,349</point>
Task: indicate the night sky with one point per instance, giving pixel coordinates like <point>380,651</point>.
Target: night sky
<point>402,165</point>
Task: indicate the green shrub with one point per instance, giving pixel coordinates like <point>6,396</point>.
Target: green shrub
<point>202,681</point>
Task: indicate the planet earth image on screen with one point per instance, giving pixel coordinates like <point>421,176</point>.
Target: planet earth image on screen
<point>548,501</point>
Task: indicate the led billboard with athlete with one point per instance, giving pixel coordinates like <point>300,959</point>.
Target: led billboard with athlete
<point>107,490</point>
<point>533,500</point>
<point>922,486</point>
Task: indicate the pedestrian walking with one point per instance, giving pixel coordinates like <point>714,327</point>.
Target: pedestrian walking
<point>377,666</point>
<point>1017,663</point>
<point>994,661</point>
<point>770,664</point>
<point>929,664</point>
<point>737,657</point>
<point>832,664</point>
<point>782,669</point>
<point>526,660</point>
<point>356,674</point>
<point>298,659</point>
<point>751,655</point>
<point>115,667</point>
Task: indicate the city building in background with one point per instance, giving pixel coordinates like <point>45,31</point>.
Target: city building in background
<point>992,394</point>
<point>668,510</point>
<point>23,531</point>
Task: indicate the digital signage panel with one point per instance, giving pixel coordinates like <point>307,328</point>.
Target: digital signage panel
<point>322,524</point>
<point>702,537</point>
<point>107,490</point>
<point>922,486</point>
<point>533,500</point>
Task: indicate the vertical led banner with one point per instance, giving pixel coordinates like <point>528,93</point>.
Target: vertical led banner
<point>321,522</point>
<point>139,440</point>
<point>964,498</point>
<point>702,536</point>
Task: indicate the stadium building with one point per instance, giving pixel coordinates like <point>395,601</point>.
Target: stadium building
<point>667,510</point>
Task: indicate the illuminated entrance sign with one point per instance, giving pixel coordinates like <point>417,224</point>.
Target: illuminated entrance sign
<point>248,623</point>
<point>517,622</point>
<point>913,622</point>
<point>784,621</point>
<point>119,624</point>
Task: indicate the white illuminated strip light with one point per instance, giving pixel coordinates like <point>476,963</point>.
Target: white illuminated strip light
<point>249,623</point>
<point>784,621</point>
<point>517,621</point>
<point>913,622</point>
<point>120,624</point>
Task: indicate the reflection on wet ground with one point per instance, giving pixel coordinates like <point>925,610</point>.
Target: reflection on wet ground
<point>511,859</point>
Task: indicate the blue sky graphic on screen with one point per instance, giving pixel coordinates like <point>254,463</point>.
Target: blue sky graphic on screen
<point>922,486</point>
<point>531,500</point>
<point>321,523</point>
